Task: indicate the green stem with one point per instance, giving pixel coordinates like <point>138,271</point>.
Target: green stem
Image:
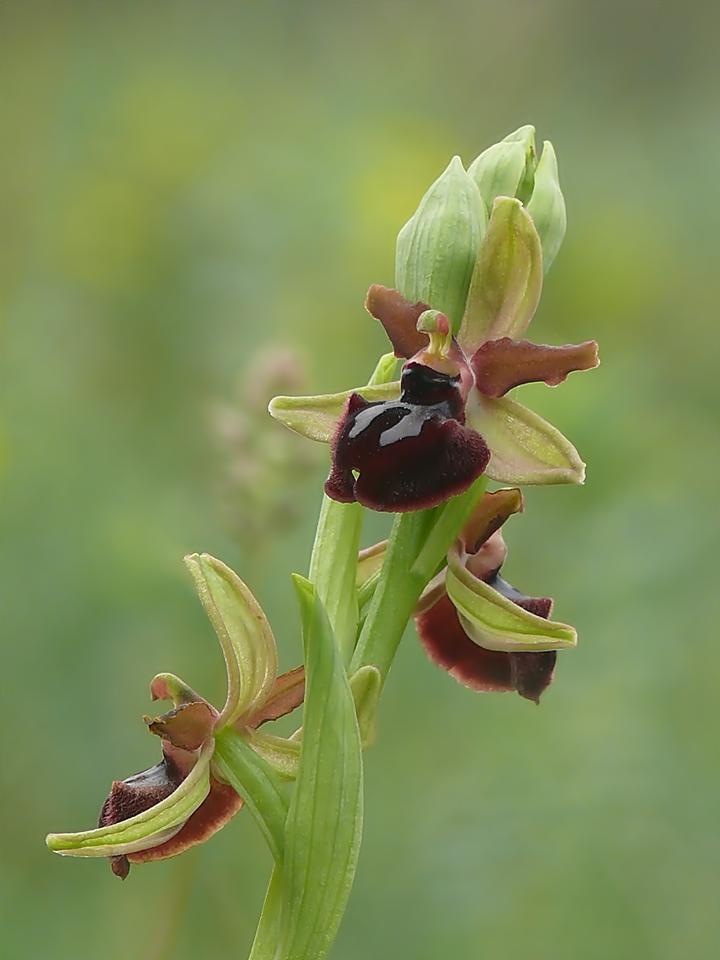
<point>257,783</point>
<point>333,568</point>
<point>417,546</point>
<point>333,564</point>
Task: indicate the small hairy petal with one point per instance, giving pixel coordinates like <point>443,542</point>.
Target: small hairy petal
<point>288,692</point>
<point>500,365</point>
<point>399,318</point>
<point>490,514</point>
<point>187,726</point>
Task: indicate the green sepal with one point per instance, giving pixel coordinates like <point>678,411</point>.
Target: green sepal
<point>547,205</point>
<point>147,829</point>
<point>496,623</point>
<point>506,169</point>
<point>245,635</point>
<point>255,780</point>
<point>322,838</point>
<point>280,753</point>
<point>317,418</point>
<point>507,279</point>
<point>525,449</point>
<point>366,685</point>
<point>437,247</point>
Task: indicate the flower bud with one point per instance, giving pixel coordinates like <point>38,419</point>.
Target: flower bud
<point>547,205</point>
<point>506,169</point>
<point>437,247</point>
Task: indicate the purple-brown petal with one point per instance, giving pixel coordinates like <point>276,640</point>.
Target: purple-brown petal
<point>532,673</point>
<point>187,726</point>
<point>135,795</point>
<point>287,694</point>
<point>500,365</point>
<point>490,514</point>
<point>399,317</point>
<point>409,454</point>
<point>447,645</point>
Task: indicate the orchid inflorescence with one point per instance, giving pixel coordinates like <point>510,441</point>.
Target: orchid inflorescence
<point>469,273</point>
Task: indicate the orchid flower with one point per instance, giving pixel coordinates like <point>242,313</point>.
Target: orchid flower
<point>483,631</point>
<point>412,444</point>
<point>185,799</point>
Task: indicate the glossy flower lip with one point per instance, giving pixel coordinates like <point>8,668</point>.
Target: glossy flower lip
<point>503,295</point>
<point>409,454</point>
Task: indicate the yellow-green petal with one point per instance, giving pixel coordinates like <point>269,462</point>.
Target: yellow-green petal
<point>507,279</point>
<point>317,418</point>
<point>243,630</point>
<point>147,829</point>
<point>496,623</point>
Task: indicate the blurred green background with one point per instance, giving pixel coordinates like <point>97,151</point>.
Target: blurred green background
<point>188,185</point>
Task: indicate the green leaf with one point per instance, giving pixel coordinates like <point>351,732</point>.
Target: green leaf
<point>257,783</point>
<point>147,829</point>
<point>547,206</point>
<point>496,623</point>
<point>525,449</point>
<point>247,641</point>
<point>333,568</point>
<point>317,418</point>
<point>505,168</point>
<point>325,820</point>
<point>507,279</point>
<point>437,247</point>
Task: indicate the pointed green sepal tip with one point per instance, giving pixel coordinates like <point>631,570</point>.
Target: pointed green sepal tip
<point>506,169</point>
<point>496,623</point>
<point>547,205</point>
<point>525,448</point>
<point>147,829</point>
<point>507,279</point>
<point>437,247</point>
<point>317,418</point>
<point>245,635</point>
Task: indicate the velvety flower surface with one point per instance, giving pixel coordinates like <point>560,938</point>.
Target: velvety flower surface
<point>411,453</point>
<point>468,632</point>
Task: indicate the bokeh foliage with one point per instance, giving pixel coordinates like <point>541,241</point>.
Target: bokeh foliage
<point>186,185</point>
